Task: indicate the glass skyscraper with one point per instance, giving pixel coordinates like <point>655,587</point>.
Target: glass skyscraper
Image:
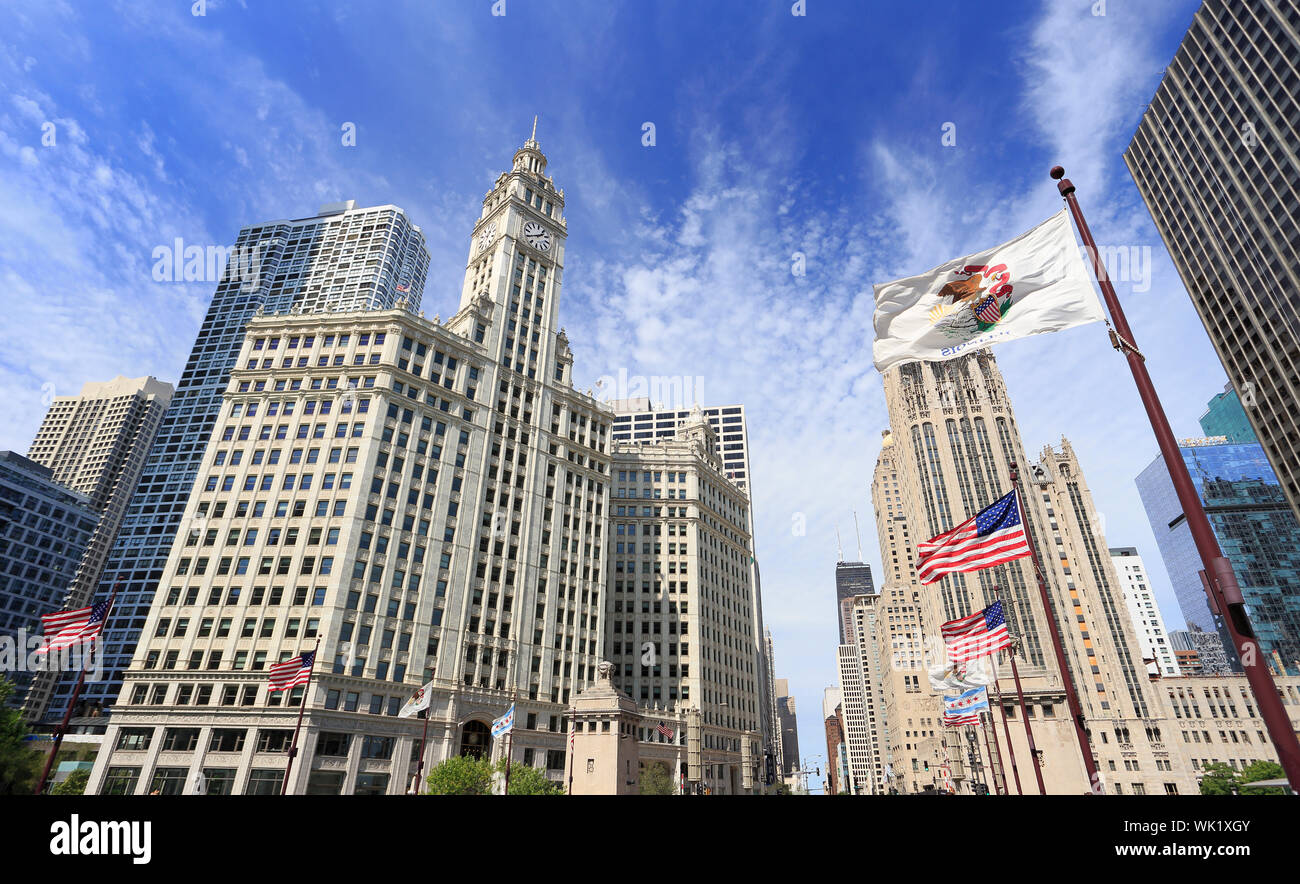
<point>1225,416</point>
<point>1256,529</point>
<point>343,258</point>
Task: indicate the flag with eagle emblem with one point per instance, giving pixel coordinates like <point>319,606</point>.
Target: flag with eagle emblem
<point>1036,283</point>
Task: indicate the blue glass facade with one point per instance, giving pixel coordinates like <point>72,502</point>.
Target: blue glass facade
<point>342,259</point>
<point>1256,529</point>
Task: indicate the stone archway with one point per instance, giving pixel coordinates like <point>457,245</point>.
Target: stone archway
<point>476,740</point>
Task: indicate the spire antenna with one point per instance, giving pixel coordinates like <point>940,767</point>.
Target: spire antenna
<point>534,135</point>
<point>858,533</point>
<point>839,546</point>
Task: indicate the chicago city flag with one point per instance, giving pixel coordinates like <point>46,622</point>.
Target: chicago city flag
<point>1035,283</point>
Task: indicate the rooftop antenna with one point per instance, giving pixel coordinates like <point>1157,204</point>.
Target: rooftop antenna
<point>858,533</point>
<point>534,135</point>
<point>839,546</point>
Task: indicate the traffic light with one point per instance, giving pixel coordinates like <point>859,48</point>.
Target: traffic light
<point>771,770</point>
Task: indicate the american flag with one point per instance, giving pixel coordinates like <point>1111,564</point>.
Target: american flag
<point>960,720</point>
<point>666,731</point>
<point>994,536</point>
<point>292,672</point>
<point>988,310</point>
<point>67,628</point>
<point>403,287</point>
<point>980,634</point>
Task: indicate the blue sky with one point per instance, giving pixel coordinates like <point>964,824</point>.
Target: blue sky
<point>775,134</point>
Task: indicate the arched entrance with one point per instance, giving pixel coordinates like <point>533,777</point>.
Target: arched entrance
<point>476,740</point>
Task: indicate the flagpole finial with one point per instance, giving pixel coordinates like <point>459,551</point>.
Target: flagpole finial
<point>1063,184</point>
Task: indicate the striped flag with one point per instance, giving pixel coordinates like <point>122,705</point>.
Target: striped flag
<point>994,536</point>
<point>969,703</point>
<point>67,628</point>
<point>505,724</point>
<point>666,731</point>
<point>960,720</point>
<point>292,672</point>
<point>980,634</point>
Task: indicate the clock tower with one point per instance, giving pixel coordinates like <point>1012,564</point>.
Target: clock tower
<point>510,297</point>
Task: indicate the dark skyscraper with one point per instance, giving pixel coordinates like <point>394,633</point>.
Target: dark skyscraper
<point>851,578</point>
<point>1216,162</point>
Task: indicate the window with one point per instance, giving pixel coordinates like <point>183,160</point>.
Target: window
<point>135,739</point>
<point>180,739</point>
<point>335,745</point>
<point>264,782</point>
<point>120,781</point>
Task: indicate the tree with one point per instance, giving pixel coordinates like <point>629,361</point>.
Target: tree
<point>462,775</point>
<point>19,765</point>
<point>528,780</point>
<point>1262,770</point>
<point>74,784</point>
<point>474,776</point>
<point>655,780</point>
<point>1218,779</point>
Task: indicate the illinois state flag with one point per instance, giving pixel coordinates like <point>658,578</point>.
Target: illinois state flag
<point>1033,284</point>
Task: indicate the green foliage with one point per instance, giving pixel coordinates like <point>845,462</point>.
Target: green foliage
<point>1262,770</point>
<point>472,776</point>
<point>656,780</point>
<point>20,766</point>
<point>1220,779</point>
<point>74,784</point>
<point>780,787</point>
<point>461,775</point>
<point>526,780</point>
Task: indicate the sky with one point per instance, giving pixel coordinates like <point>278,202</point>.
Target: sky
<point>796,159</point>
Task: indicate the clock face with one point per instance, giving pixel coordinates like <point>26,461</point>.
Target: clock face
<point>486,235</point>
<point>537,236</point>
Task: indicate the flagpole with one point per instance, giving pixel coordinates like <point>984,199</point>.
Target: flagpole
<point>1058,645</point>
<point>573,734</point>
<point>1006,728</point>
<point>1220,581</point>
<point>510,738</point>
<point>302,707</point>
<point>1001,772</point>
<point>76,695</point>
<point>1029,731</point>
<point>424,745</point>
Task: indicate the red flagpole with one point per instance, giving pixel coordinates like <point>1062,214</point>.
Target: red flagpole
<point>999,775</point>
<point>1029,732</point>
<point>302,707</point>
<point>1006,729</point>
<point>1058,645</point>
<point>1225,596</point>
<point>72,701</point>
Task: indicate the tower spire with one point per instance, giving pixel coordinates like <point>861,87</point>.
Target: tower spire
<point>533,137</point>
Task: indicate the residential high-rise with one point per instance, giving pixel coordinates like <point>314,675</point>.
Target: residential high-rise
<point>1256,529</point>
<point>344,258</point>
<point>680,596</point>
<point>851,579</point>
<point>640,420</point>
<point>788,721</point>
<point>427,500</point>
<point>1215,161</point>
<point>44,531</point>
<point>96,443</point>
<point>772,747</point>
<point>1144,612</point>
<point>1225,416</point>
